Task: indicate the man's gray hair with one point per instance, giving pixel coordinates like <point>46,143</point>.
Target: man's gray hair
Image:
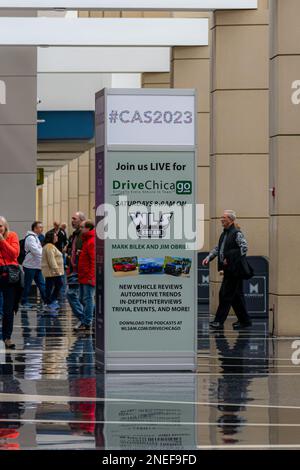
<point>81,216</point>
<point>231,214</point>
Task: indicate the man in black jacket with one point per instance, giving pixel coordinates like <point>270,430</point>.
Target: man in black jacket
<point>231,247</point>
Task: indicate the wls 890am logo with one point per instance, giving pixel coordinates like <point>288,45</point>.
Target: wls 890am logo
<point>184,187</point>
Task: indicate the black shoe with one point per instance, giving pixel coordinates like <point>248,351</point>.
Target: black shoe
<point>216,325</point>
<point>241,326</point>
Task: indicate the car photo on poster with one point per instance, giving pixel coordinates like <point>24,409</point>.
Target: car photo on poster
<point>176,266</point>
<point>151,265</point>
<point>125,266</point>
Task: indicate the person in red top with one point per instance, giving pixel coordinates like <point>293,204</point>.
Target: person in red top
<point>9,252</point>
<point>87,275</point>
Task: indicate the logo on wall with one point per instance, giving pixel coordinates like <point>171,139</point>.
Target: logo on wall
<point>253,288</point>
<point>148,227</point>
<point>2,92</point>
<point>205,279</point>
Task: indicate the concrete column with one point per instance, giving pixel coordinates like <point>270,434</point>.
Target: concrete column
<point>39,203</point>
<point>45,204</point>
<point>18,70</point>
<point>239,140</point>
<point>156,80</point>
<point>57,196</point>
<point>92,200</point>
<point>191,69</point>
<point>64,192</point>
<point>285,167</point>
<point>84,183</point>
<point>73,187</point>
<point>50,199</point>
<point>131,14</point>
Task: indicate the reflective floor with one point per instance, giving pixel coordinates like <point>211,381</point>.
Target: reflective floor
<point>245,394</point>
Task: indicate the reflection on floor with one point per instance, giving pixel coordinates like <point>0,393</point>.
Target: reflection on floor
<point>245,394</point>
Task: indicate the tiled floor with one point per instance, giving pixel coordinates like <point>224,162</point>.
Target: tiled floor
<point>245,394</point>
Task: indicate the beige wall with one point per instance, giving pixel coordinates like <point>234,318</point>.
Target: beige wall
<point>284,168</point>
<point>64,192</point>
<point>239,161</point>
<point>67,190</point>
<point>18,70</point>
<point>235,134</point>
<point>156,80</point>
<point>191,69</point>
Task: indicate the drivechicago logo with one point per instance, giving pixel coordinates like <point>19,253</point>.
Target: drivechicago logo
<point>2,92</point>
<point>179,187</point>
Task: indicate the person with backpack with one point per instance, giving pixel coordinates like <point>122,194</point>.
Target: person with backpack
<point>31,250</point>
<point>230,251</point>
<point>53,270</point>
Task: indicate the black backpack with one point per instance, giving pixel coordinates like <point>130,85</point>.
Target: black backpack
<point>23,252</point>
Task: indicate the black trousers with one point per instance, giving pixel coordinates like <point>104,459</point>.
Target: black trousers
<point>232,295</point>
<point>9,300</point>
<point>53,288</point>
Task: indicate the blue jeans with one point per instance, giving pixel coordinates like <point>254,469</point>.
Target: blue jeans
<point>53,288</point>
<point>81,299</point>
<point>87,293</point>
<point>1,303</point>
<point>31,275</point>
<point>73,296</point>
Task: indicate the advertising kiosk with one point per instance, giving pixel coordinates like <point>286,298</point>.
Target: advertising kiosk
<point>146,298</point>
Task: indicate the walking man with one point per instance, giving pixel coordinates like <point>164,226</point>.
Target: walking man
<point>231,247</point>
<point>32,264</point>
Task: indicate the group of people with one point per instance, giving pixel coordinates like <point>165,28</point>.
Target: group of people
<point>52,261</point>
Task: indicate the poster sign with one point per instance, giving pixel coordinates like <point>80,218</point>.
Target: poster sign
<point>163,120</point>
<point>146,269</point>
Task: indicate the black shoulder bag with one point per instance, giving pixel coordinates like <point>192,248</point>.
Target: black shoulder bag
<point>13,272</point>
<point>246,269</point>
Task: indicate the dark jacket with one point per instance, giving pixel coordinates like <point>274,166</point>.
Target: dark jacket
<point>73,256</point>
<point>232,251</point>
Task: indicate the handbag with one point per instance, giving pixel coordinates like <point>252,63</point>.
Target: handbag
<point>14,274</point>
<point>11,272</point>
<point>246,270</point>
